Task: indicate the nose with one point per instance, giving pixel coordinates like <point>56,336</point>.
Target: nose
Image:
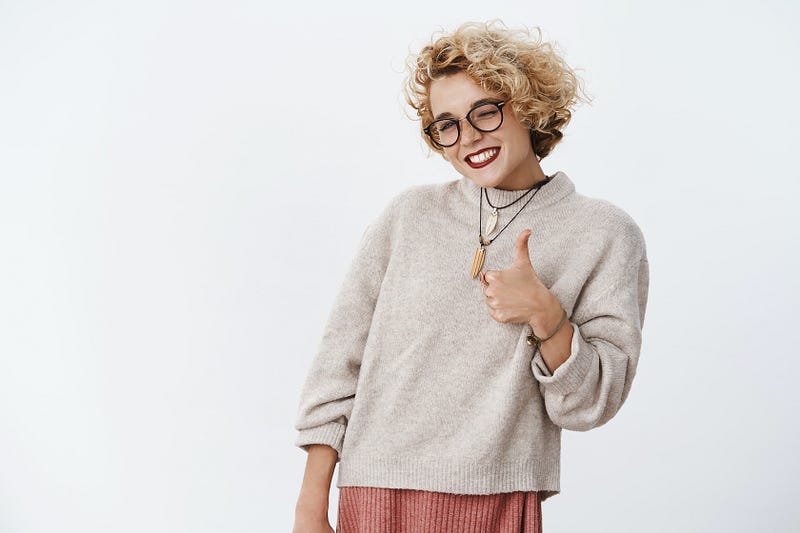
<point>473,133</point>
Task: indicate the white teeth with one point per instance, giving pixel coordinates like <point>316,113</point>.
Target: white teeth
<point>483,156</point>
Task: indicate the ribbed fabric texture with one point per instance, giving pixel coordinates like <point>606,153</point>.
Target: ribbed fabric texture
<point>417,386</point>
<point>382,510</point>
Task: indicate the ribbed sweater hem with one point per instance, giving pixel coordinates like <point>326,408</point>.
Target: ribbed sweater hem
<point>444,476</point>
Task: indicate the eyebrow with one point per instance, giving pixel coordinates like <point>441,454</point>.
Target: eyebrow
<point>447,114</point>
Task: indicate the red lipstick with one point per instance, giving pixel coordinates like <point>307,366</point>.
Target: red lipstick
<point>482,163</point>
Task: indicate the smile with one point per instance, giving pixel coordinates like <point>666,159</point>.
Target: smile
<point>482,158</point>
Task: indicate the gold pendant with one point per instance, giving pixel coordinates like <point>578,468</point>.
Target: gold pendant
<point>477,260</point>
<point>491,223</point>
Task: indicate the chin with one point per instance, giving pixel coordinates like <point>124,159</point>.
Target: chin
<point>485,177</point>
<point>485,181</point>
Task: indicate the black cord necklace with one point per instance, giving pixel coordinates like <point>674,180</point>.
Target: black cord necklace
<point>480,253</point>
<point>490,225</point>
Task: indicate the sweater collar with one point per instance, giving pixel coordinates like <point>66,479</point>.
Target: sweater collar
<point>551,192</point>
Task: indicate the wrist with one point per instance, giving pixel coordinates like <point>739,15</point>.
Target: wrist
<point>547,318</point>
<point>313,502</point>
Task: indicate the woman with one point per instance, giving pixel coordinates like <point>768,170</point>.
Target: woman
<point>480,316</point>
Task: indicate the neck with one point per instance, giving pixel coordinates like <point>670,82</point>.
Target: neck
<point>558,188</point>
<point>526,176</point>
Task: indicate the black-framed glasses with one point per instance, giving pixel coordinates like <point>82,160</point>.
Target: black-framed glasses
<point>485,117</point>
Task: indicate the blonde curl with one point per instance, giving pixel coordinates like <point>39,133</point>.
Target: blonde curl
<point>515,64</point>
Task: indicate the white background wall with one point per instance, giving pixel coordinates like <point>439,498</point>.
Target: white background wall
<point>182,185</point>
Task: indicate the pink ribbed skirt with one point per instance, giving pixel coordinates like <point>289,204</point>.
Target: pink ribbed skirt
<point>384,510</point>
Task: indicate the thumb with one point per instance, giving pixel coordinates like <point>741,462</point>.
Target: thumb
<point>523,258</point>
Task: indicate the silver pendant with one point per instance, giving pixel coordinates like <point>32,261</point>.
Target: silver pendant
<point>492,222</point>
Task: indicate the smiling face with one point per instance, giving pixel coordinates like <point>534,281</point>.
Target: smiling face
<point>502,158</point>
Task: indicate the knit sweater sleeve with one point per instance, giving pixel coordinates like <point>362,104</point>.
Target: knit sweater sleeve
<point>327,397</point>
<point>588,389</point>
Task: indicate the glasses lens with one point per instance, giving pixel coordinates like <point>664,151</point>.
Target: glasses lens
<point>444,132</point>
<point>486,117</point>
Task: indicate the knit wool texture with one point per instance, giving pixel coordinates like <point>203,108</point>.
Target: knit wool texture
<point>416,386</point>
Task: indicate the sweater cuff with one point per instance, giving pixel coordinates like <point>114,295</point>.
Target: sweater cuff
<point>567,377</point>
<point>331,434</point>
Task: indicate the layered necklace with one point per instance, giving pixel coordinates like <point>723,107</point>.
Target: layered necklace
<point>480,253</point>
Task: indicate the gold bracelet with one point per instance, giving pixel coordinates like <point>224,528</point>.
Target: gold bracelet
<point>534,340</point>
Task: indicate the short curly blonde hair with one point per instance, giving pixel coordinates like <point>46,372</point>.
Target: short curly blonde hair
<point>537,82</point>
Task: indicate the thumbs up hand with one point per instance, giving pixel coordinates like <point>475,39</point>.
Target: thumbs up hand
<point>516,294</point>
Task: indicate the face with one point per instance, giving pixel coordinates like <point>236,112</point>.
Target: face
<point>511,163</point>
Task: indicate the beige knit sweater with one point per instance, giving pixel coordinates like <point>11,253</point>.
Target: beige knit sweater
<point>417,386</point>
